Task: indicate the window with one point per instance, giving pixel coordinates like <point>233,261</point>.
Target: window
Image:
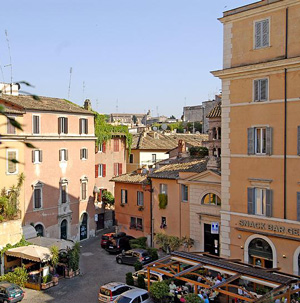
<point>37,197</point>
<point>145,297</point>
<point>154,158</point>
<point>63,193</point>
<point>184,193</point>
<point>83,153</point>
<point>163,189</point>
<point>12,166</point>
<point>261,88</point>
<point>260,201</point>
<point>100,194</point>
<point>83,190</point>
<point>116,145</point>
<point>163,223</point>
<point>131,158</point>
<point>35,124</point>
<point>62,125</point>
<point>102,147</point>
<point>260,140</point>
<point>63,155</point>
<point>100,170</point>
<point>37,156</point>
<point>123,196</point>
<point>83,126</point>
<point>136,223</point>
<point>262,33</point>
<point>140,198</point>
<point>10,128</point>
<point>117,169</point>
<point>39,230</point>
<point>211,199</point>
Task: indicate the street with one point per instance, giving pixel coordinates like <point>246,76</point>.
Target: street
<point>97,268</point>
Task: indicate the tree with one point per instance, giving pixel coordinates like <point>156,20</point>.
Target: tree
<point>160,292</point>
<point>172,117</point>
<point>55,256</point>
<point>134,119</point>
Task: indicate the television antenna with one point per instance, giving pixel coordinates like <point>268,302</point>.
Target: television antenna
<point>10,63</point>
<point>70,83</point>
<point>154,128</point>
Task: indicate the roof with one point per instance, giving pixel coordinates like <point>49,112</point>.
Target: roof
<point>61,244</point>
<point>11,110</point>
<point>132,177</point>
<point>26,102</point>
<point>188,164</point>
<point>132,293</point>
<point>31,252</point>
<point>215,112</point>
<point>158,141</point>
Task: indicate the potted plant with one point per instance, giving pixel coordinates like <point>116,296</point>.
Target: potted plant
<point>47,282</point>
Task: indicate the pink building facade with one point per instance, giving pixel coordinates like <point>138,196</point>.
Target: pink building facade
<point>59,170</point>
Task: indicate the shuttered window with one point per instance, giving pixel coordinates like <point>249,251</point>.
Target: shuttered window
<point>123,196</point>
<point>63,155</point>
<point>64,194</point>
<point>10,128</point>
<point>261,88</point>
<point>37,156</point>
<point>83,126</point>
<point>62,125</point>
<point>35,124</point>
<point>163,189</point>
<point>12,161</point>
<point>116,145</point>
<point>260,140</point>
<point>260,201</point>
<point>118,169</point>
<point>83,153</point>
<point>83,190</point>
<point>37,196</point>
<point>262,33</point>
<point>100,170</point>
<point>184,193</point>
<point>140,198</point>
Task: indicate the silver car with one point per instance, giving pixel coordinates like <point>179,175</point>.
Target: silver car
<point>136,295</point>
<point>110,291</point>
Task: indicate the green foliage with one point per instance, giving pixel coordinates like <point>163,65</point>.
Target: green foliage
<point>163,201</point>
<point>55,255</point>
<point>188,242</point>
<point>192,298</point>
<point>166,242</point>
<point>108,197</point>
<point>74,256</point>
<point>129,279</point>
<point>138,265</point>
<point>159,292</point>
<point>172,117</point>
<point>105,131</point>
<point>21,243</point>
<point>47,279</point>
<point>141,282</point>
<point>134,119</point>
<point>19,276</point>
<point>174,242</point>
<point>153,253</point>
<point>140,242</point>
<point>198,151</point>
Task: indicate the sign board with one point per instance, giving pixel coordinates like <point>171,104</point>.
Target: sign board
<point>96,218</point>
<point>214,228</point>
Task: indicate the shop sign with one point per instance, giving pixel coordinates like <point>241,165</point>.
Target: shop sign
<point>214,228</point>
<point>270,227</point>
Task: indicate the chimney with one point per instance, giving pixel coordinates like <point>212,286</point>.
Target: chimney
<point>10,89</point>
<point>87,104</point>
<point>181,149</point>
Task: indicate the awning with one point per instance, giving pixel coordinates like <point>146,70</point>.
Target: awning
<point>48,242</point>
<point>31,252</point>
<point>29,232</point>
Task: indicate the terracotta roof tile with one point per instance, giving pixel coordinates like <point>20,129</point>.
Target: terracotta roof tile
<point>215,112</point>
<point>157,141</point>
<point>132,177</point>
<point>44,104</point>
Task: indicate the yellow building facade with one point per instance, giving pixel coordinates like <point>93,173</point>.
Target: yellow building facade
<point>260,214</point>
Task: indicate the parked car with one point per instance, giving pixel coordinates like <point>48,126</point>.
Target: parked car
<point>105,238</point>
<point>154,276</point>
<point>134,295</point>
<point>132,256</point>
<point>118,243</point>
<point>110,291</point>
<point>10,292</point>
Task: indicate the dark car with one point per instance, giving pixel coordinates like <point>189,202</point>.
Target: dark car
<point>132,256</point>
<point>10,292</point>
<point>105,238</point>
<point>118,243</point>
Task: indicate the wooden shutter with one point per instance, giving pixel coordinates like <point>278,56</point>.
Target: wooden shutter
<point>86,126</point>
<point>96,171</point>
<point>59,125</point>
<point>60,151</point>
<point>269,203</point>
<point>126,196</point>
<point>96,149</point>
<point>258,34</point>
<point>115,169</point>
<point>12,167</point>
<point>41,156</point>
<point>66,125</point>
<point>265,33</point>
<point>32,154</point>
<point>81,153</point>
<point>251,141</point>
<point>104,147</point>
<point>251,200</point>
<point>86,153</point>
<point>120,168</point>
<point>103,170</point>
<point>80,126</point>
<point>298,141</point>
<point>263,89</point>
<point>256,90</point>
<point>269,139</point>
<point>66,154</point>
<point>298,206</point>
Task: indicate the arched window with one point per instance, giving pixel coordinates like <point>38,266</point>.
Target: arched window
<point>40,230</point>
<point>211,199</point>
<point>64,229</point>
<point>260,253</point>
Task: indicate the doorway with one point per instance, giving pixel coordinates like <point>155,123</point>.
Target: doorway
<point>64,229</point>
<point>83,226</point>
<point>100,222</point>
<point>260,253</point>
<point>211,241</point>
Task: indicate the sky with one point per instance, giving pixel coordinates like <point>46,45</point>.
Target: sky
<point>127,56</point>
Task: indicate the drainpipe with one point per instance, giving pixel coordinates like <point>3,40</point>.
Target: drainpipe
<point>285,119</point>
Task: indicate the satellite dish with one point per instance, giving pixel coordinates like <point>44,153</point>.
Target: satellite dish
<point>197,132</point>
<point>154,128</point>
<point>164,126</point>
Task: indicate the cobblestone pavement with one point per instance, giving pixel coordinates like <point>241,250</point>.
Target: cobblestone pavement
<point>97,268</point>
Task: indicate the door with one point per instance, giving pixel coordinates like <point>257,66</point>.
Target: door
<point>211,241</point>
<point>83,226</point>
<point>64,230</point>
<point>100,222</point>
<point>127,258</point>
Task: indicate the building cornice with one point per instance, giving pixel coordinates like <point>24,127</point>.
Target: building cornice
<point>252,69</point>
